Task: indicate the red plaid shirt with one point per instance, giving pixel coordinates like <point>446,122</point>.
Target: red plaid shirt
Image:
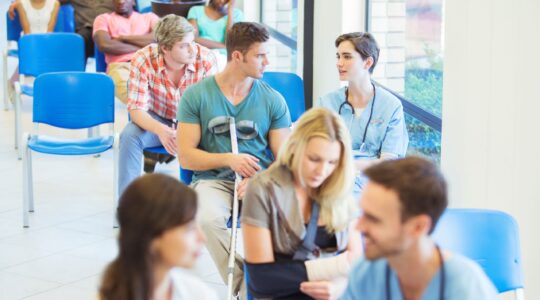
<point>150,89</point>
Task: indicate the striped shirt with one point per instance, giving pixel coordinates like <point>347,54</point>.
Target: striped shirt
<point>149,89</point>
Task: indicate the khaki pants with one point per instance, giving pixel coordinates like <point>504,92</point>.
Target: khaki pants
<point>215,207</point>
<point>119,72</point>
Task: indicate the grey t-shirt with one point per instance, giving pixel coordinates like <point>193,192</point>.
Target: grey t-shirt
<point>270,202</point>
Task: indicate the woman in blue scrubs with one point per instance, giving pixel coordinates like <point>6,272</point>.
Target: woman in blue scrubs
<point>373,115</point>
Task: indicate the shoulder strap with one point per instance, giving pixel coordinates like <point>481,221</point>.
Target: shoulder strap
<point>308,246</point>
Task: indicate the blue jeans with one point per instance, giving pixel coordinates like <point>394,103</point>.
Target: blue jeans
<point>133,140</point>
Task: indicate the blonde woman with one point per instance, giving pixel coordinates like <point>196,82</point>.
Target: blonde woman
<point>296,214</point>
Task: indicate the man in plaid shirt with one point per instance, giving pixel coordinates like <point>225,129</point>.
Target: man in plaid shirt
<point>159,75</point>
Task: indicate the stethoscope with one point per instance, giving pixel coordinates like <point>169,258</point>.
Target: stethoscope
<point>441,282</point>
<point>346,102</point>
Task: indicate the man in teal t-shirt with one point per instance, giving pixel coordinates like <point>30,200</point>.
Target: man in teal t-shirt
<point>204,141</point>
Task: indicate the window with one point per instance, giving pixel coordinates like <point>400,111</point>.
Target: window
<point>410,34</point>
<point>281,18</point>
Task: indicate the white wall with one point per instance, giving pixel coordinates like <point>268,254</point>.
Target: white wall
<point>491,136</point>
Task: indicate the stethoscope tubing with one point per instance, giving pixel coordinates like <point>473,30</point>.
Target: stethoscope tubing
<point>346,102</point>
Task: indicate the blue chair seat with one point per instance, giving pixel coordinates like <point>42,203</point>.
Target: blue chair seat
<point>158,150</point>
<point>50,145</point>
<point>27,90</point>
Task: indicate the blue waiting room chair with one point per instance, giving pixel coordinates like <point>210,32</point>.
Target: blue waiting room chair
<point>291,87</point>
<point>65,23</point>
<point>489,237</point>
<point>71,101</point>
<point>44,53</point>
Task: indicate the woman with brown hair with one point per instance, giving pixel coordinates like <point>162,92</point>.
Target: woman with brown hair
<point>159,237</point>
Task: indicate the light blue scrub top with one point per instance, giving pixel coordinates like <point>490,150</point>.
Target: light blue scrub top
<point>213,30</point>
<point>387,132</point>
<point>464,280</point>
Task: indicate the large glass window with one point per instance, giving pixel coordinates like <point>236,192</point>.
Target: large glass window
<point>281,18</point>
<point>410,34</point>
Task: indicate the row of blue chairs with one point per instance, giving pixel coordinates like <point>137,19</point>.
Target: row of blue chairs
<point>79,100</point>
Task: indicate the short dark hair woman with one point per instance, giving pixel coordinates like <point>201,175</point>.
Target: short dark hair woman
<point>159,237</point>
<point>373,115</point>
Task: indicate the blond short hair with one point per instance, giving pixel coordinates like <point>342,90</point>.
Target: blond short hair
<point>335,194</point>
<point>171,29</point>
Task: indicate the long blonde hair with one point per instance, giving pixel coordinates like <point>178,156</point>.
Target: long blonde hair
<point>335,193</point>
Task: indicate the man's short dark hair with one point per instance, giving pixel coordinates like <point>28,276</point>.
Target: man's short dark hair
<point>244,34</point>
<point>420,186</point>
<point>364,43</point>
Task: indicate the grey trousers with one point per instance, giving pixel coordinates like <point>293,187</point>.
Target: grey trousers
<point>215,208</point>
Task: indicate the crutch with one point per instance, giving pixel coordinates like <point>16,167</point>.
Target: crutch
<point>232,251</point>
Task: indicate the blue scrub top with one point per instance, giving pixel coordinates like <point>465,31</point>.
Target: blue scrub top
<point>464,280</point>
<point>386,133</point>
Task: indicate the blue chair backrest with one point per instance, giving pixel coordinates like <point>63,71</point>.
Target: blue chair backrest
<point>65,21</point>
<point>13,28</point>
<point>51,52</point>
<point>491,238</point>
<point>291,87</point>
<point>73,100</point>
<point>101,65</point>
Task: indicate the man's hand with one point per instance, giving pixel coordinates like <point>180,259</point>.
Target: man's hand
<point>324,290</point>
<point>167,136</point>
<point>244,164</point>
<point>11,9</point>
<point>241,189</point>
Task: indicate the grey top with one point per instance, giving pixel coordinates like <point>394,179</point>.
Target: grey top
<point>270,202</point>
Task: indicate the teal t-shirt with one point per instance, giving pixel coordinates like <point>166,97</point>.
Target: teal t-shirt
<point>212,29</point>
<point>262,110</point>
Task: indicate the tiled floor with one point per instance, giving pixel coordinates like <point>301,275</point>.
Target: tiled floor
<point>70,239</point>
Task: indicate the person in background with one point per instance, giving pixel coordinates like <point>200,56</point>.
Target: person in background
<point>211,23</point>
<point>119,35</point>
<point>159,238</point>
<point>401,204</point>
<point>373,115</point>
<point>296,215</point>
<point>159,75</point>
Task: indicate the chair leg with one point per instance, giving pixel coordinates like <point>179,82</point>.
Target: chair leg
<point>4,72</point>
<point>26,184</point>
<point>115,179</point>
<point>18,121</point>
<point>30,176</point>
